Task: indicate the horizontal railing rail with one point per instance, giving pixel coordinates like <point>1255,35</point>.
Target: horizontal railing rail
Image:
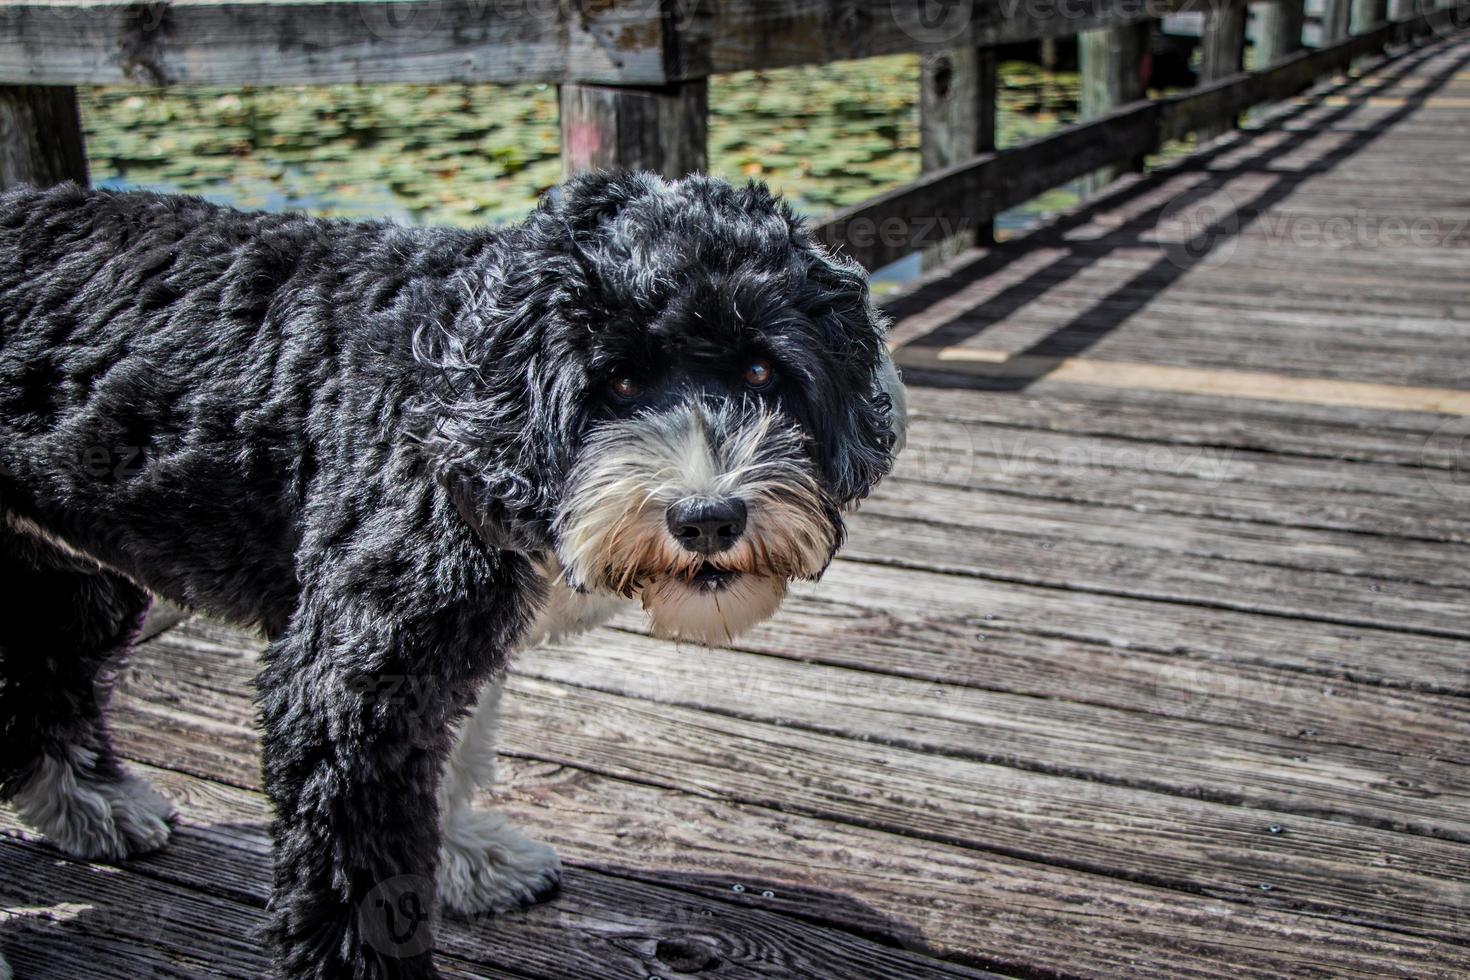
<point>973,192</point>
<point>633,77</point>
<point>615,42</point>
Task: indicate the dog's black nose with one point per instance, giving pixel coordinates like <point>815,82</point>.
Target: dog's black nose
<point>707,526</point>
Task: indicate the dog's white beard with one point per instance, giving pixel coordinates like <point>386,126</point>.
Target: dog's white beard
<point>614,538</point>
<point>680,611</point>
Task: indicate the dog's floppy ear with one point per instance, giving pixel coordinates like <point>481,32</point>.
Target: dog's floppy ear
<point>862,406</point>
<point>500,408</point>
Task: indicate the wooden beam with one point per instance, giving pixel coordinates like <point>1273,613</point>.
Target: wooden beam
<point>1368,14</point>
<point>957,92</point>
<point>40,136</point>
<point>1110,74</point>
<point>1278,31</point>
<point>1222,54</point>
<point>624,42</point>
<point>1336,15</point>
<point>891,225</point>
<point>259,42</point>
<point>606,127</point>
<point>1192,110</point>
<point>617,42</point>
<point>776,33</point>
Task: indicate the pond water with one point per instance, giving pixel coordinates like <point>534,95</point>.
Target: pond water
<point>824,136</point>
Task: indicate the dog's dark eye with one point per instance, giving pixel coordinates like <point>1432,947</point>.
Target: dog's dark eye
<point>759,374</point>
<point>625,387</point>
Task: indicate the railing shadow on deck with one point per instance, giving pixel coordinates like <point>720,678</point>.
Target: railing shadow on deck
<point>1088,327</point>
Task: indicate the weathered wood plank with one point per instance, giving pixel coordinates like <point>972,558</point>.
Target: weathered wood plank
<point>951,644</point>
<point>945,444</point>
<point>665,130</point>
<point>53,42</point>
<point>827,777</point>
<point>1235,93</point>
<point>1261,766</point>
<point>40,136</point>
<point>957,112</point>
<point>1122,272</point>
<point>1162,576</point>
<point>1110,74</point>
<point>1278,30</point>
<point>1059,337</point>
<point>259,42</point>
<point>1222,54</point>
<point>886,227</point>
<point>1124,748</point>
<point>1367,14</point>
<point>75,920</point>
<point>1289,431</point>
<point>1382,657</point>
<point>530,732</point>
<point>1208,483</point>
<point>1033,913</point>
<point>68,920</point>
<point>891,225</point>
<point>776,33</point>
<point>1351,562</point>
<point>1138,836</point>
<point>195,712</point>
<point>1335,20</point>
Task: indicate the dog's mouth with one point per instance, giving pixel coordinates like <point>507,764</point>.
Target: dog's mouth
<point>708,578</point>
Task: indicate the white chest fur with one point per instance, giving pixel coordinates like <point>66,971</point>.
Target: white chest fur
<point>568,612</point>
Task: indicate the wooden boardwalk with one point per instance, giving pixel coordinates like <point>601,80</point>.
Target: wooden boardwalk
<point>1151,659</point>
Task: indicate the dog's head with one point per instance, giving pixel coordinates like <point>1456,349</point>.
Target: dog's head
<point>676,392</point>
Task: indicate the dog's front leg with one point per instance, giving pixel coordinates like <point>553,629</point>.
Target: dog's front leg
<point>486,867</point>
<point>356,706</point>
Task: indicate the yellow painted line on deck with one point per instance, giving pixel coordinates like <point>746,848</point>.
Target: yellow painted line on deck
<point>1258,385</point>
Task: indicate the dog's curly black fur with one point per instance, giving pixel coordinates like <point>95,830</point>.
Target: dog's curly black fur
<point>359,438</point>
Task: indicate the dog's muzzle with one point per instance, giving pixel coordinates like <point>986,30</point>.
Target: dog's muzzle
<point>704,512</point>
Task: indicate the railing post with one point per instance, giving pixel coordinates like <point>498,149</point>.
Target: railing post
<point>1278,31</point>
<point>41,139</point>
<point>1368,14</point>
<point>956,121</point>
<point>1222,51</point>
<point>1336,16</point>
<point>614,127</point>
<point>1110,68</point>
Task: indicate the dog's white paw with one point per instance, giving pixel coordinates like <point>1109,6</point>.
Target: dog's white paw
<point>5,973</point>
<point>487,867</point>
<point>93,818</point>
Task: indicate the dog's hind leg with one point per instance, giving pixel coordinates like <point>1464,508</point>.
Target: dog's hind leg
<point>62,618</point>
<point>485,865</point>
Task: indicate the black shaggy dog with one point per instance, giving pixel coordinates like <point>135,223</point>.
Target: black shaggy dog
<point>401,453</point>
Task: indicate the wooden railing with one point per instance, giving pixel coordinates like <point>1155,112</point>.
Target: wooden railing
<point>632,76</point>
<point>970,194</point>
